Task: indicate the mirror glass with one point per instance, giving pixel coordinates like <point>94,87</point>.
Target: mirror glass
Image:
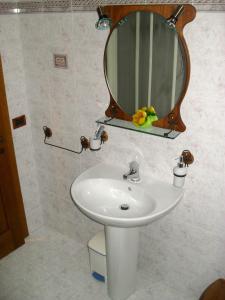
<point>144,64</point>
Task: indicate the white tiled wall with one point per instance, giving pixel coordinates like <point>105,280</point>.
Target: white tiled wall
<point>12,58</point>
<point>186,248</point>
<point>63,99</point>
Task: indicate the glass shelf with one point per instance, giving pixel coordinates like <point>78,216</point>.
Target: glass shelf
<point>165,133</point>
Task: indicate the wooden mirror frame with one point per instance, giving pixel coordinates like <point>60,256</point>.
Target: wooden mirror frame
<point>116,13</point>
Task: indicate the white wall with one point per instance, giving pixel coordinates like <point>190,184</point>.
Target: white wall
<point>186,248</point>
<point>12,59</point>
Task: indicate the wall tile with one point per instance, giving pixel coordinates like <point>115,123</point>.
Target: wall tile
<point>186,247</point>
<point>13,68</point>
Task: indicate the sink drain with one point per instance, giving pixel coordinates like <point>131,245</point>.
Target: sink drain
<point>124,206</point>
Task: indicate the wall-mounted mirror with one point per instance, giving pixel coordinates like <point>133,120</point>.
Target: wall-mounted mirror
<point>147,64</point>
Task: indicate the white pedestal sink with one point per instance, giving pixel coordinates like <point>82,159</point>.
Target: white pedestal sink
<point>103,195</point>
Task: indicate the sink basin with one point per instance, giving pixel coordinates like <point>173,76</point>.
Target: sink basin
<point>104,196</point>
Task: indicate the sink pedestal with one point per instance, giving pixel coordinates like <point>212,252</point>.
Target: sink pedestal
<point>122,246</point>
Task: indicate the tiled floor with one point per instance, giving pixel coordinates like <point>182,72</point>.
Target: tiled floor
<point>51,266</point>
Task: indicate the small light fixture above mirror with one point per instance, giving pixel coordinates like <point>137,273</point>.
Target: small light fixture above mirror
<point>103,22</point>
<point>174,18</point>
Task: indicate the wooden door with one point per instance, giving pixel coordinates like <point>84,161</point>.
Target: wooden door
<point>13,227</point>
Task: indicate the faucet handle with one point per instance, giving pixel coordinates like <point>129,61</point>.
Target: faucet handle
<point>134,166</point>
<point>133,174</point>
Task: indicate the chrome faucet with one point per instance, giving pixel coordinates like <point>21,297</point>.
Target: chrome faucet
<point>133,174</point>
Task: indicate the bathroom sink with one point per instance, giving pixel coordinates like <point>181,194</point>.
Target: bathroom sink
<point>103,195</point>
<point>122,207</point>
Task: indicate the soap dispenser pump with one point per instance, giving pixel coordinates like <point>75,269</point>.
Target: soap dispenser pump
<point>179,172</point>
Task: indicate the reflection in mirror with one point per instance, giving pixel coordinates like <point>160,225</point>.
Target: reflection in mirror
<point>144,64</point>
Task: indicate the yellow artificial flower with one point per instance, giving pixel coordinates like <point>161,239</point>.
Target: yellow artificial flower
<point>151,110</point>
<point>144,108</point>
<point>139,117</point>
